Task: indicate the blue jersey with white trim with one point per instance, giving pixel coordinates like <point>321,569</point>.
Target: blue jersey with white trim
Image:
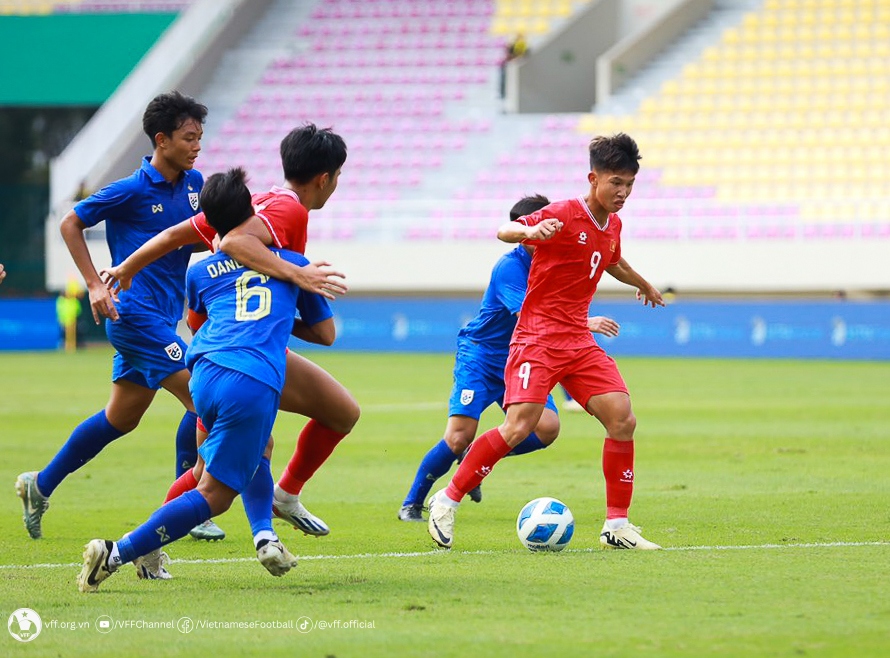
<point>249,315</point>
<point>135,209</point>
<point>491,329</point>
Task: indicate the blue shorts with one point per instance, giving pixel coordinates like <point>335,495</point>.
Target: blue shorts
<point>148,351</point>
<point>478,383</point>
<point>238,412</point>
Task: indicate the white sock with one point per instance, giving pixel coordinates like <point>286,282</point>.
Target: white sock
<point>445,500</point>
<point>268,535</point>
<point>614,524</point>
<point>114,558</point>
<point>285,497</point>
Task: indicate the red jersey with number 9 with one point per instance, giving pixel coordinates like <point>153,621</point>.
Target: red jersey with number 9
<point>564,274</point>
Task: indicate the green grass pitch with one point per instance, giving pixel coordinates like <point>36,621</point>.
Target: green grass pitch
<point>766,480</point>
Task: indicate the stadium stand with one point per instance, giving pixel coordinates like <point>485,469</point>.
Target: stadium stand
<point>25,7</point>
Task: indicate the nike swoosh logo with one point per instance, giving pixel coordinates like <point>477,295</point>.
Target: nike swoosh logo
<point>443,539</point>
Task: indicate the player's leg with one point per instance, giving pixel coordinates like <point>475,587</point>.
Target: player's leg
<point>126,406</point>
<point>311,391</point>
<point>257,499</point>
<point>459,434</point>
<point>484,453</point>
<point>596,379</point>
<point>187,447</point>
<point>544,434</point>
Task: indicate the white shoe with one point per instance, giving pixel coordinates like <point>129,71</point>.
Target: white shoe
<point>627,536</point>
<point>441,521</point>
<point>288,507</point>
<point>95,565</point>
<point>276,558</point>
<point>153,566</point>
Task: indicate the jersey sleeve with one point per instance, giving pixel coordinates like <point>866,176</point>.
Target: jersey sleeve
<point>205,231</point>
<point>312,307</point>
<point>111,201</point>
<point>616,252</point>
<point>510,282</point>
<point>287,222</point>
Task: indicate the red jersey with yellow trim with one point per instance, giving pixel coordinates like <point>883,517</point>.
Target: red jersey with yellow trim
<point>282,213</point>
<point>564,274</point>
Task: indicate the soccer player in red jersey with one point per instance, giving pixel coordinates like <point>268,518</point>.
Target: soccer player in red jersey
<point>575,242</point>
<point>312,161</point>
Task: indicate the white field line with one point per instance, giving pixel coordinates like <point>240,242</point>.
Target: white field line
<point>435,553</point>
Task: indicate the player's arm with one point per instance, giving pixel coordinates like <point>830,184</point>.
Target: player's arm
<point>248,244</point>
<point>101,303</point>
<point>518,232</point>
<point>175,237</point>
<point>645,290</point>
<point>2,273</point>
<point>320,333</point>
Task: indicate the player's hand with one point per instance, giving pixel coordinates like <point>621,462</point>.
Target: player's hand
<point>101,303</point>
<point>650,297</point>
<point>321,278</point>
<point>115,280</point>
<point>545,229</point>
<point>600,324</point>
<point>2,273</point>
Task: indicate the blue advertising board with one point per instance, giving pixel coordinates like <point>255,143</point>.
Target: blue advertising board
<point>746,329</point>
<point>28,324</point>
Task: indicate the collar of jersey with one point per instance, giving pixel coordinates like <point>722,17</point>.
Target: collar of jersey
<point>592,218</point>
<point>156,177</point>
<point>277,189</point>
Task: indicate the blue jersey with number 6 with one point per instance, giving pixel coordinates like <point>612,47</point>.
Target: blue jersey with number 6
<point>249,315</point>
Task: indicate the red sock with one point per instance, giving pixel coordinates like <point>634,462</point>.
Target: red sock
<point>185,482</point>
<point>618,468</point>
<point>315,445</point>
<point>485,452</point>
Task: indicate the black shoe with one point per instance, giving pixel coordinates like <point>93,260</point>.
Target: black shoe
<point>475,494</point>
<point>412,513</point>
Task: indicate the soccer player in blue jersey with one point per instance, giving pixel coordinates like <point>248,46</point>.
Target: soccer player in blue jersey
<point>142,328</point>
<point>237,360</point>
<point>482,348</point>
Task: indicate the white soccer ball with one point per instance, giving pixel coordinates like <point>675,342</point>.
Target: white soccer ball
<point>545,524</point>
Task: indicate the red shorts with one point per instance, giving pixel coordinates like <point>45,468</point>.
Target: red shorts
<point>533,370</point>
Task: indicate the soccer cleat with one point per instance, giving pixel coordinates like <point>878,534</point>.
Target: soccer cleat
<point>95,565</point>
<point>153,566</point>
<point>276,558</point>
<point>441,523</point>
<point>627,536</point>
<point>34,502</point>
<point>411,513</point>
<point>299,517</point>
<point>475,493</point>
<point>208,531</point>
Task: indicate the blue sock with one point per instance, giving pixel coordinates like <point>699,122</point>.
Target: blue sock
<point>529,444</point>
<point>170,522</point>
<point>257,498</point>
<point>186,443</point>
<point>436,463</point>
<point>85,442</point>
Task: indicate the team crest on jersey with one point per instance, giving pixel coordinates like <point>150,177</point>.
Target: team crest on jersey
<point>582,238</point>
<point>466,396</point>
<point>193,199</point>
<point>174,351</point>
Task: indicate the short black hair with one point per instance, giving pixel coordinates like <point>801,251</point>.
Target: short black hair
<point>225,200</point>
<point>167,112</point>
<point>527,205</point>
<point>618,153</point>
<point>308,151</point>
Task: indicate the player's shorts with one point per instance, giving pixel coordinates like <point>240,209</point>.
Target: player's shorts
<point>148,351</point>
<point>478,383</point>
<point>533,370</point>
<point>239,412</point>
